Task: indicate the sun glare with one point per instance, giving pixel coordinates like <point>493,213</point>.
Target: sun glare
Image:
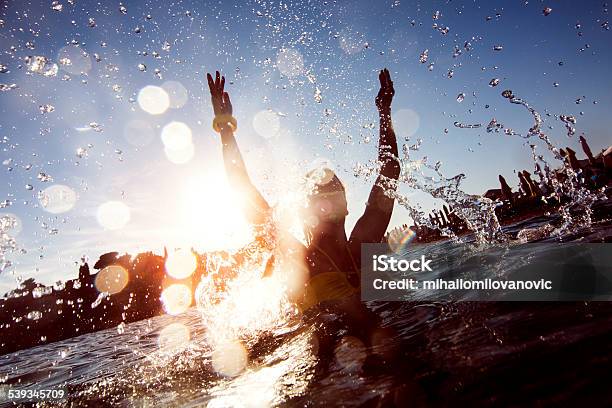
<point>211,218</point>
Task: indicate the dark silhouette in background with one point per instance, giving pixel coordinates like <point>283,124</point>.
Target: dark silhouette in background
<point>36,314</point>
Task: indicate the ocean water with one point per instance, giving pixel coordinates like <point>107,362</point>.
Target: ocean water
<point>436,353</point>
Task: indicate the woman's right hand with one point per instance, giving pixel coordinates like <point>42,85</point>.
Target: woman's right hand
<point>220,99</point>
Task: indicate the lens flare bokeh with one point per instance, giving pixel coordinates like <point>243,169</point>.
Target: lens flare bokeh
<point>112,279</point>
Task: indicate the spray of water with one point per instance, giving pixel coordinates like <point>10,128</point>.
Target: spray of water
<point>236,301</point>
<point>565,184</point>
<point>477,212</point>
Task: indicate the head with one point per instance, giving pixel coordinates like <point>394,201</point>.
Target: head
<point>326,207</point>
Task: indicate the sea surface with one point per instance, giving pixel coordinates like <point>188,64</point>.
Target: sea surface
<point>437,353</point>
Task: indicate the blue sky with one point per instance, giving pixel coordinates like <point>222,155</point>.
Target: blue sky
<point>321,99</point>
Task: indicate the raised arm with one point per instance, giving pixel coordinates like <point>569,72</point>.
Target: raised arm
<point>373,223</point>
<point>255,206</point>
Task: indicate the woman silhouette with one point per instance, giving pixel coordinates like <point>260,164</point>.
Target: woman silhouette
<point>330,259</point>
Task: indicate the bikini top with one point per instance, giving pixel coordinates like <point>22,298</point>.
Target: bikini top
<point>328,286</point>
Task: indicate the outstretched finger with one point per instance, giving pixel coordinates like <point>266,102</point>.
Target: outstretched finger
<point>217,78</point>
<point>222,83</point>
<point>211,84</point>
<point>381,78</point>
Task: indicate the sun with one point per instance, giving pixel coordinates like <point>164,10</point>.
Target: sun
<point>210,214</point>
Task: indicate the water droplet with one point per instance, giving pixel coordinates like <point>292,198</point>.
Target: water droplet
<point>34,315</point>
<point>56,6</point>
<point>142,67</point>
<point>41,65</point>
<point>568,119</point>
<point>423,57</point>
<point>507,94</point>
<point>467,126</point>
<point>317,95</point>
<point>494,82</point>
<point>99,299</point>
<point>460,97</point>
<point>450,73</point>
<point>556,84</point>
<point>81,152</point>
<point>46,108</point>
<point>456,51</point>
<point>497,48</point>
<point>91,22</point>
<point>547,11</point>
<point>7,87</point>
<point>311,77</point>
<point>29,187</point>
<point>122,9</point>
<point>43,177</point>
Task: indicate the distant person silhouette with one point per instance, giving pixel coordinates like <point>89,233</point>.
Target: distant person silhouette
<point>330,258</point>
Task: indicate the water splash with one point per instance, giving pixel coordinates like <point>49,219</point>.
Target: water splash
<point>225,297</point>
<point>564,185</point>
<point>478,213</point>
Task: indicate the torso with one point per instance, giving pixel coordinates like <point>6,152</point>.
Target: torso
<point>339,259</point>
